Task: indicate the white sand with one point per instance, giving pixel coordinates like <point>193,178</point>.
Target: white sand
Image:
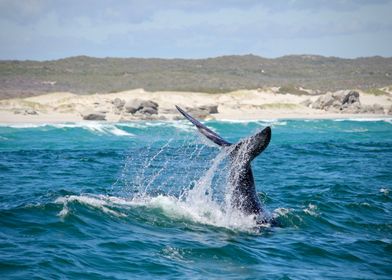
<point>237,105</point>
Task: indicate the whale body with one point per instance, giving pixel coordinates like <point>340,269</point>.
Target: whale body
<point>241,154</point>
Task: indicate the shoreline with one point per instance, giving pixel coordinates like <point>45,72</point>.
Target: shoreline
<point>334,117</point>
<point>241,105</point>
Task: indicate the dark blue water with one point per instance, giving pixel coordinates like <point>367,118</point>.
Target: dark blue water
<point>147,200</point>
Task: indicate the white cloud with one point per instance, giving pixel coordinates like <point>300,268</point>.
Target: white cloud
<point>41,30</point>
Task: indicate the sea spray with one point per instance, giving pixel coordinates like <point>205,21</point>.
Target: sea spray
<point>200,194</point>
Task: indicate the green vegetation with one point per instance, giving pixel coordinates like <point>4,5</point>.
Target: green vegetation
<point>376,91</point>
<point>289,106</point>
<point>292,90</point>
<point>86,75</point>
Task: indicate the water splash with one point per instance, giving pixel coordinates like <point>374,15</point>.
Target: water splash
<point>184,179</point>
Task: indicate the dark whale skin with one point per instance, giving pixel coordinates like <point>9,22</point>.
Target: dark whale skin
<point>241,154</point>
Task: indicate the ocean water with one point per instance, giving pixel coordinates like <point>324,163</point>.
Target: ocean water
<point>147,200</point>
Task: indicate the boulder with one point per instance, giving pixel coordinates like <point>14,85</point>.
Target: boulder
<point>306,102</point>
<point>135,105</point>
<point>211,109</point>
<point>202,111</point>
<point>30,112</point>
<point>324,101</point>
<point>342,101</point>
<point>132,106</point>
<point>197,112</point>
<point>148,111</point>
<point>94,116</point>
<point>351,98</point>
<point>149,104</point>
<point>118,103</point>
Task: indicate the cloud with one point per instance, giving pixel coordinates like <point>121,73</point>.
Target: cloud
<point>40,29</point>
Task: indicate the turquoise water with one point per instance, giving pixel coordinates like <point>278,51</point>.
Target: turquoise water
<point>146,200</point>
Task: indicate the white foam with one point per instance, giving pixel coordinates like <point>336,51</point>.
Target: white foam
<point>23,125</point>
<point>385,191</point>
<point>311,210</point>
<point>243,121</point>
<point>98,127</point>
<point>388,120</point>
<point>281,212</point>
<point>119,132</point>
<point>172,207</point>
<point>180,125</point>
<point>99,202</point>
<point>209,213</point>
<point>356,130</point>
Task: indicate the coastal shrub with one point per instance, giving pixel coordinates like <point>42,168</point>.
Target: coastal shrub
<point>290,106</point>
<point>376,91</point>
<point>292,90</point>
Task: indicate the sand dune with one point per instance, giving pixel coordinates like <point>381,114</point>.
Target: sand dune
<point>237,105</point>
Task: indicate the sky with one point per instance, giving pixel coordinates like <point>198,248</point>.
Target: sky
<point>45,30</point>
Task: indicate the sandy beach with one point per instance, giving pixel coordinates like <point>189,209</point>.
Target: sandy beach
<point>139,104</point>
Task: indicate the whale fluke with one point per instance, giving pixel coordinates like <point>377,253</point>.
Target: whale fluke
<point>241,154</point>
<point>204,130</point>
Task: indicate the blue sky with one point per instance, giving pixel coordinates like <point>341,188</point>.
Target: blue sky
<point>44,29</point>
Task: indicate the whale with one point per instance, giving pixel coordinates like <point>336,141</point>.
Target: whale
<point>240,178</point>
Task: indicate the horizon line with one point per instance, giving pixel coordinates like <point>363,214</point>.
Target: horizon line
<point>202,58</point>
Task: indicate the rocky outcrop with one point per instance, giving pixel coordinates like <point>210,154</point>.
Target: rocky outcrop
<point>118,103</point>
<point>94,116</point>
<point>202,111</point>
<point>340,101</point>
<point>25,112</point>
<point>132,106</point>
<point>212,109</point>
<point>141,106</point>
<point>350,98</point>
<point>148,111</point>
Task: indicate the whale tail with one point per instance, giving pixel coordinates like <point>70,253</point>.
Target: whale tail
<point>251,146</point>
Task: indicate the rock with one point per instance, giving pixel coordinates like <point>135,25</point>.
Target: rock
<point>30,112</point>
<point>118,103</point>
<point>306,102</point>
<point>162,118</point>
<point>211,109</point>
<point>339,95</point>
<point>390,110</point>
<point>150,104</point>
<point>168,111</point>
<point>148,110</point>
<point>202,111</point>
<point>198,112</point>
<point>351,98</point>
<point>342,101</point>
<point>132,106</point>
<point>337,104</point>
<point>324,101</point>
<point>94,116</point>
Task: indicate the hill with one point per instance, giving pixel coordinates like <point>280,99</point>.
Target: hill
<point>84,75</point>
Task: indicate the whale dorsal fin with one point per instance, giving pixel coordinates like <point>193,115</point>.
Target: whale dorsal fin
<point>217,139</point>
